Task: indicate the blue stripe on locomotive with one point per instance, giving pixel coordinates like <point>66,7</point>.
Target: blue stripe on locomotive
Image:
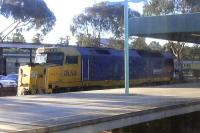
<point>108,64</point>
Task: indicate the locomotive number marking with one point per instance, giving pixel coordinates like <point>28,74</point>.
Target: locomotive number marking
<point>70,73</point>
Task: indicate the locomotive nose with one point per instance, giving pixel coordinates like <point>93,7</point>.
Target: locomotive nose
<point>24,79</point>
<point>30,79</point>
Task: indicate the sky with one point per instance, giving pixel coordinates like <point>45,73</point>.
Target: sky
<point>64,10</point>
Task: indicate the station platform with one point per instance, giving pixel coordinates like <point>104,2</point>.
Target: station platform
<point>96,111</point>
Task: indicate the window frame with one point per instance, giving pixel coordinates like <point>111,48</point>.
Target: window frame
<point>73,59</point>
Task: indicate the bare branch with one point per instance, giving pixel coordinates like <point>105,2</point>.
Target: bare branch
<point>7,27</point>
<point>25,24</point>
<point>11,30</point>
<point>173,50</point>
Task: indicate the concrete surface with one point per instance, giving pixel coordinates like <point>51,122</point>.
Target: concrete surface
<point>95,111</point>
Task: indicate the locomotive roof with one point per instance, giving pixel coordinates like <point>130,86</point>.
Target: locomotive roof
<point>86,51</point>
<point>105,51</point>
<point>115,52</point>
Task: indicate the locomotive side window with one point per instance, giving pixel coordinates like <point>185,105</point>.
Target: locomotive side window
<point>102,51</point>
<point>71,60</point>
<point>55,58</point>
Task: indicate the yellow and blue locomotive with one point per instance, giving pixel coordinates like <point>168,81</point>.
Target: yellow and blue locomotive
<point>57,69</point>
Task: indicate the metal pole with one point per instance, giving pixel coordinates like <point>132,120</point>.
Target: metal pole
<point>30,56</point>
<point>126,48</point>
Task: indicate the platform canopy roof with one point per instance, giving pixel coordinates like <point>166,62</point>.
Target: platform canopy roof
<point>23,45</point>
<point>182,27</point>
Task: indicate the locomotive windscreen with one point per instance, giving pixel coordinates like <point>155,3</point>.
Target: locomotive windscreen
<point>53,58</point>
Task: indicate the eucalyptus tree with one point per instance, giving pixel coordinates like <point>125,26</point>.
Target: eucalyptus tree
<point>155,46</point>
<point>64,40</point>
<point>17,36</point>
<point>140,44</point>
<point>195,52</point>
<point>177,49</point>
<point>165,7</point>
<point>26,14</point>
<point>38,38</point>
<point>102,18</point>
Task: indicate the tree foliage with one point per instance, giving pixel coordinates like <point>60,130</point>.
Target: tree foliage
<point>195,52</point>
<point>17,36</point>
<point>177,49</point>
<point>101,18</point>
<point>158,7</point>
<point>186,6</point>
<point>155,46</point>
<point>116,43</point>
<point>64,40</point>
<point>139,43</point>
<point>164,7</point>
<point>37,38</point>
<point>27,13</point>
<point>87,41</point>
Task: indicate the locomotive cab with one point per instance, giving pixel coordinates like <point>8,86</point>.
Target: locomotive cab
<point>53,68</point>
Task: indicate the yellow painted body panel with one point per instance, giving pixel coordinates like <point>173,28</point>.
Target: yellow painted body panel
<point>31,77</point>
<point>64,76</point>
<point>25,72</point>
<point>108,83</point>
<point>41,77</point>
